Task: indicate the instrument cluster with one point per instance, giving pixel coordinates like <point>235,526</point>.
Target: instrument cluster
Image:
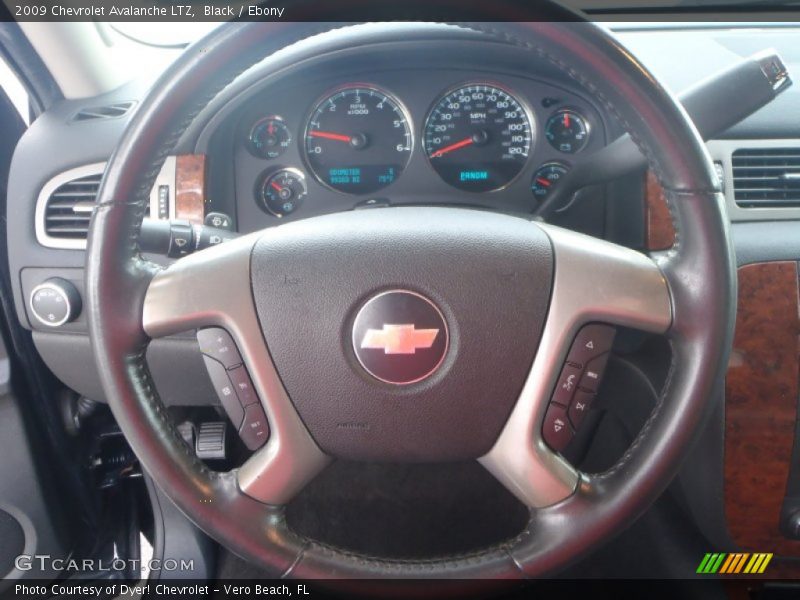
<point>365,143</point>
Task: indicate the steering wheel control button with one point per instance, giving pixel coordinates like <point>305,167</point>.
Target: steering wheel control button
<point>55,302</point>
<point>591,341</point>
<point>566,384</point>
<point>243,386</point>
<point>581,403</point>
<point>254,430</point>
<point>400,337</point>
<point>225,391</point>
<point>593,373</point>
<point>218,344</point>
<point>557,431</point>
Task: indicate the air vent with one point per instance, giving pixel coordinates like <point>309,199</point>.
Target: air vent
<point>70,206</point>
<point>111,111</point>
<point>766,177</point>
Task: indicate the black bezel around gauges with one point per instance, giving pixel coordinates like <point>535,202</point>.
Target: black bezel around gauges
<point>358,139</point>
<point>478,136</point>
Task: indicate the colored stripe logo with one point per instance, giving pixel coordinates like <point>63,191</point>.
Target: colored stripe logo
<point>734,564</point>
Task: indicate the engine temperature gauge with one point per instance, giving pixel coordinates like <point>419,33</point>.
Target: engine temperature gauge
<point>269,137</point>
<point>567,131</point>
<point>282,192</point>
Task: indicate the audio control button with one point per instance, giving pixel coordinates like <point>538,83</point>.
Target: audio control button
<point>218,344</point>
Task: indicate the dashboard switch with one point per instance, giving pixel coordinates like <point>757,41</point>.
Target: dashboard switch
<point>557,431</point>
<point>181,240</point>
<point>219,220</point>
<point>254,430</point>
<point>218,344</point>
<point>55,302</point>
<point>225,391</point>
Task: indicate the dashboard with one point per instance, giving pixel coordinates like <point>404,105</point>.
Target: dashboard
<point>428,123</point>
<point>403,136</point>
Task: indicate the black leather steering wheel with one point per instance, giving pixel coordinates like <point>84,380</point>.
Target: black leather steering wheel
<point>550,282</point>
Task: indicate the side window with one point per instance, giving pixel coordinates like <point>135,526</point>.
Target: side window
<point>14,90</point>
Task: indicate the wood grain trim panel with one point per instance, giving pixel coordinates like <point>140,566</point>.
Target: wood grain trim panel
<point>761,393</point>
<point>658,226</point>
<point>190,187</point>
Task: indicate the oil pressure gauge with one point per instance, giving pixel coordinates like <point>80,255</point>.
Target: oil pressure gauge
<point>269,138</point>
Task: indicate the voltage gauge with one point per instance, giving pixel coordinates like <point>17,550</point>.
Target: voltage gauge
<point>567,131</point>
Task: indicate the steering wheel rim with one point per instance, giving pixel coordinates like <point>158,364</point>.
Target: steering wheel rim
<point>697,275</point>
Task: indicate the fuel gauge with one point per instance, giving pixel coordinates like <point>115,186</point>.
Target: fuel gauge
<point>282,192</point>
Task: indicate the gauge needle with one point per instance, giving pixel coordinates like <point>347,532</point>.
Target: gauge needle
<point>441,151</point>
<point>544,182</point>
<point>275,186</point>
<point>330,136</point>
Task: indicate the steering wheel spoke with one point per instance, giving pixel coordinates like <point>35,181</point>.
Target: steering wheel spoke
<point>212,289</point>
<point>594,281</point>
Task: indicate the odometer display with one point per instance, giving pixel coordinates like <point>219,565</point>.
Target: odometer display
<point>478,138</point>
<point>358,140</point>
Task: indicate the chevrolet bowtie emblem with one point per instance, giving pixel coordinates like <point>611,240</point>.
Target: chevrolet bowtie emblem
<point>399,339</point>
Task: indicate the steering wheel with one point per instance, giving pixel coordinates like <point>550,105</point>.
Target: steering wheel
<point>498,298</point>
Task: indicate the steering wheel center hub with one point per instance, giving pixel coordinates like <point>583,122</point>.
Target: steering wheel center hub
<point>419,326</point>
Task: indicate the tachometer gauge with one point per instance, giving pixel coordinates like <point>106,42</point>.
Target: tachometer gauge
<point>358,140</point>
<point>478,137</point>
<point>567,131</point>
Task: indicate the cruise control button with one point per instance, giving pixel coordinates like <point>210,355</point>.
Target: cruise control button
<point>218,344</point>
<point>243,386</point>
<point>566,384</point>
<point>254,430</point>
<point>225,390</point>
<point>556,431</point>
<point>593,373</point>
<point>581,403</point>
<point>591,341</point>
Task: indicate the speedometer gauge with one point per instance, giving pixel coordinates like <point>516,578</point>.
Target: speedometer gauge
<point>478,137</point>
<point>358,140</point>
